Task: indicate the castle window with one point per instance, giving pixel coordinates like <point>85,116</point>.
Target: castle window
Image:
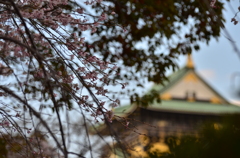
<point>190,95</point>
<point>194,95</point>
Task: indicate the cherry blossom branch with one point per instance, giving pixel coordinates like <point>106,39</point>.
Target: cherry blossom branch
<point>54,66</point>
<point>8,91</point>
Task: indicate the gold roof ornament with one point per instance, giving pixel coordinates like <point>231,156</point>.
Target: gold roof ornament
<point>190,63</point>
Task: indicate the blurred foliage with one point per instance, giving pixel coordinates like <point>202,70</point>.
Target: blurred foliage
<point>214,141</point>
<point>12,146</point>
<point>165,29</point>
<point>146,99</point>
<point>3,150</point>
<point>146,37</point>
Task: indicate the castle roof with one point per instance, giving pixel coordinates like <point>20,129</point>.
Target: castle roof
<point>185,92</point>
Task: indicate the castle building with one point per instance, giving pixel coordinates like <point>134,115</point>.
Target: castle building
<point>186,102</point>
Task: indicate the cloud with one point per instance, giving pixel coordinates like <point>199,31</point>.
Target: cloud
<point>207,74</point>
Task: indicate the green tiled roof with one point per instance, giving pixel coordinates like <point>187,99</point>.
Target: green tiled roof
<point>183,107</point>
<point>195,107</point>
<point>124,110</point>
<point>172,79</point>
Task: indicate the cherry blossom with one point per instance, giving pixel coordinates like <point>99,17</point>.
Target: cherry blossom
<point>43,54</point>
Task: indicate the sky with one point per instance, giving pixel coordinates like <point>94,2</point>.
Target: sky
<point>217,62</point>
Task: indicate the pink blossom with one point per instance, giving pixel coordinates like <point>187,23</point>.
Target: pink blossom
<point>117,101</point>
<point>82,39</point>
<point>80,10</point>
<point>96,24</point>
<point>71,57</point>
<point>127,123</point>
<point>102,103</point>
<point>85,97</point>
<point>5,123</point>
<point>94,29</point>
<point>212,4</point>
<point>82,69</point>
<point>110,116</point>
<point>17,115</point>
<point>103,17</point>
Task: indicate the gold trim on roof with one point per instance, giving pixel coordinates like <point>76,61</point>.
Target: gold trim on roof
<point>190,63</point>
<point>191,99</point>
<point>215,100</point>
<point>166,96</point>
<point>191,77</point>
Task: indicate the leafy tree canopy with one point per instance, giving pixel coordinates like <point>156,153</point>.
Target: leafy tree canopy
<point>154,34</point>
